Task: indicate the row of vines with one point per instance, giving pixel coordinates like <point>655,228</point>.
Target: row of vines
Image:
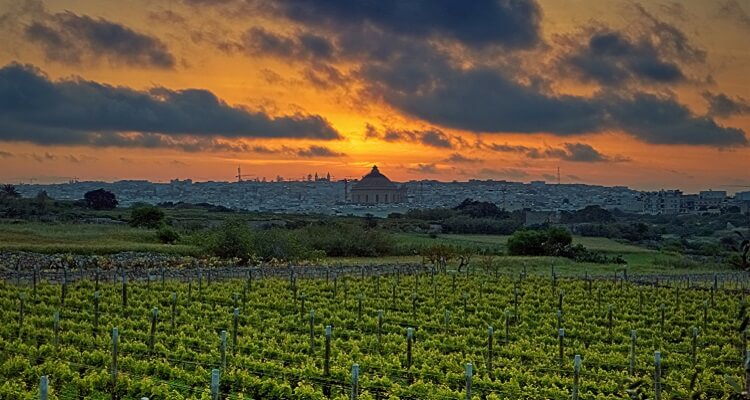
<point>410,335</point>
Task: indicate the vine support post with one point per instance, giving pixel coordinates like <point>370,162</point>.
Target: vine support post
<point>576,375</point>
<point>56,328</point>
<point>312,331</point>
<point>446,320</point>
<point>124,291</point>
<point>561,337</point>
<point>327,362</point>
<point>115,345</point>
<point>235,326</point>
<point>469,374</point>
<point>152,334</point>
<point>380,329</point>
<point>44,388</point>
<point>409,345</point>
<point>215,374</point>
<point>747,374</point>
<point>174,310</point>
<point>96,313</point>
<point>414,305</point>
<point>694,353</point>
<point>359,307</point>
<point>355,382</point>
<point>657,375</point>
<point>34,279</point>
<point>223,348</point>
<point>633,337</point>
<point>490,336</point>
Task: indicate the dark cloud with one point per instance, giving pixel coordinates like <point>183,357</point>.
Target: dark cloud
<point>79,112</point>
<point>425,169</point>
<point>318,151</point>
<point>5,154</point>
<point>68,38</point>
<point>652,52</point>
<point>304,46</point>
<point>485,99</point>
<point>479,23</point>
<point>549,177</point>
<point>575,152</point>
<point>502,173</point>
<point>611,58</point>
<point>662,120</point>
<point>429,137</point>
<point>325,76</point>
<point>461,159</point>
<point>575,178</point>
<point>721,105</point>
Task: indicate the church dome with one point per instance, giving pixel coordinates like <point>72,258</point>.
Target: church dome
<point>374,181</point>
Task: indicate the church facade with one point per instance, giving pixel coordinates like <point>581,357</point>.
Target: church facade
<point>376,188</point>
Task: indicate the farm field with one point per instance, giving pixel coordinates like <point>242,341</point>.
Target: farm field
<point>83,239</point>
<point>275,350</point>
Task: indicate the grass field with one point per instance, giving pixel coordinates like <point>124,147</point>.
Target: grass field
<point>108,239</point>
<point>83,239</point>
<point>499,242</point>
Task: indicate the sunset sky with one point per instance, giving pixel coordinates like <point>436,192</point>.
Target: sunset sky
<point>646,94</point>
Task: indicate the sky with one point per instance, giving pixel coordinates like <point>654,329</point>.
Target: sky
<point>652,94</point>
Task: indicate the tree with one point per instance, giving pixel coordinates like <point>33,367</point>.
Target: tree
<point>554,241</point>
<point>42,200</point>
<point>9,192</point>
<point>743,252</point>
<point>167,235</point>
<point>146,216</point>
<point>100,199</point>
<point>232,239</point>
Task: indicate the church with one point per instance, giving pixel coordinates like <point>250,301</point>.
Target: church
<point>376,188</point>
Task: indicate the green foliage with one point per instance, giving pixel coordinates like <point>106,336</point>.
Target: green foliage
<point>167,235</point>
<point>232,239</point>
<point>274,360</point>
<point>590,214</point>
<point>347,240</point>
<point>554,242</point>
<point>146,216</point>
<point>100,199</point>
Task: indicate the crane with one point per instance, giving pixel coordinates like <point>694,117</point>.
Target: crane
<point>240,176</point>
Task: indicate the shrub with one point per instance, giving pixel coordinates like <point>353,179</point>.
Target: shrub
<point>167,235</point>
<point>232,239</point>
<point>147,216</point>
<point>100,199</point>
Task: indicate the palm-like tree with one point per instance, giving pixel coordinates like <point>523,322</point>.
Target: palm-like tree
<point>9,191</point>
<point>744,252</point>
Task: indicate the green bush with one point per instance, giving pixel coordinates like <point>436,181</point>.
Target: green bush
<point>146,216</point>
<point>553,241</point>
<point>167,235</point>
<point>232,239</point>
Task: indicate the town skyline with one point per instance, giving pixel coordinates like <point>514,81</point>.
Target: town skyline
<point>646,95</point>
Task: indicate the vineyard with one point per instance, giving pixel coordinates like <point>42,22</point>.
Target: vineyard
<point>395,335</point>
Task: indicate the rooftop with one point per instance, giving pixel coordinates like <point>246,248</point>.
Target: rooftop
<point>374,181</point>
